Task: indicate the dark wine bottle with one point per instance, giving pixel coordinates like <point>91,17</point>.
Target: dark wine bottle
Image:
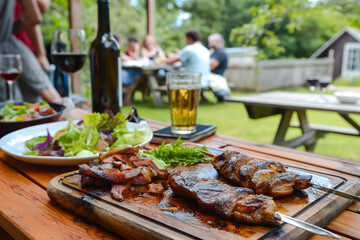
<point>105,65</point>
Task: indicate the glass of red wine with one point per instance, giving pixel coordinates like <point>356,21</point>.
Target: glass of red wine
<point>324,82</point>
<point>68,51</point>
<point>10,70</point>
<point>313,83</point>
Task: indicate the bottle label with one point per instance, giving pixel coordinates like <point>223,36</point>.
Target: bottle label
<point>120,83</point>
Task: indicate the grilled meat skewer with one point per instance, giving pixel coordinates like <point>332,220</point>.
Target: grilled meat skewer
<point>264,177</point>
<point>229,202</point>
<point>234,203</point>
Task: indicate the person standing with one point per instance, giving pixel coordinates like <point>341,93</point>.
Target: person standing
<point>194,56</point>
<point>33,80</point>
<point>219,58</point>
<point>32,35</point>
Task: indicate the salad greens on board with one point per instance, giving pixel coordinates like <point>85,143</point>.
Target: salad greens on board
<point>175,153</point>
<point>94,134</point>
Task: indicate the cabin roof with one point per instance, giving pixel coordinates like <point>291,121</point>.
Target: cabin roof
<point>355,33</point>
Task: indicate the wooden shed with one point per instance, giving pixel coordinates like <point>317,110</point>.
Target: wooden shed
<point>345,46</point>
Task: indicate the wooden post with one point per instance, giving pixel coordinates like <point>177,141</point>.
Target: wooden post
<point>150,17</point>
<point>76,23</point>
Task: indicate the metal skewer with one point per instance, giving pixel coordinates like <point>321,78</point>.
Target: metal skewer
<point>293,221</point>
<point>307,226</point>
<point>336,192</point>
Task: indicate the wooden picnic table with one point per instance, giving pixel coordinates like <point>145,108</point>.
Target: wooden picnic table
<point>287,103</point>
<point>27,213</point>
<point>149,72</point>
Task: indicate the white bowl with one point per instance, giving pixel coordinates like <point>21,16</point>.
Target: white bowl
<point>347,97</point>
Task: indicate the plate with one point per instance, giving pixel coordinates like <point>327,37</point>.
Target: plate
<point>14,143</point>
<point>347,97</point>
<point>7,127</point>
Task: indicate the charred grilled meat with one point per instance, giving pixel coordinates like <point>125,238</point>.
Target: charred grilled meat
<point>229,202</point>
<point>122,168</point>
<point>264,177</point>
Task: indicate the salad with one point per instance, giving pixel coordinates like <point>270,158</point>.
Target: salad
<point>94,134</point>
<point>27,111</point>
<point>175,153</point>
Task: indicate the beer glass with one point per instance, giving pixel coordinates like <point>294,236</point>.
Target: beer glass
<point>184,96</point>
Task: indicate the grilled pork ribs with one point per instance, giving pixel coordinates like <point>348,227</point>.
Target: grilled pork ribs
<point>264,177</point>
<point>229,202</point>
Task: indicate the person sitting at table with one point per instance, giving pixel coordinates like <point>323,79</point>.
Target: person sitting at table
<point>33,81</point>
<point>219,58</point>
<point>194,56</point>
<point>130,78</point>
<point>152,51</point>
<point>218,65</point>
<point>134,48</point>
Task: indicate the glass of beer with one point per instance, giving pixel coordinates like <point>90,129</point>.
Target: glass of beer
<point>184,96</point>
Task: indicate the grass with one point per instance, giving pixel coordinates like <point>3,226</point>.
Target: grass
<point>232,119</point>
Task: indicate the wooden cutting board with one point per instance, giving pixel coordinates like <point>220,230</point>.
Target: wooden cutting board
<point>142,216</point>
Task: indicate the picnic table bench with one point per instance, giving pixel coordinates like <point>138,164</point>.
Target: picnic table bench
<point>287,104</point>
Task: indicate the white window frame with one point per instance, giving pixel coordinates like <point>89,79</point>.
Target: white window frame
<point>351,56</point>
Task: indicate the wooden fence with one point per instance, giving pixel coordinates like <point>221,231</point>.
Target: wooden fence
<point>246,74</point>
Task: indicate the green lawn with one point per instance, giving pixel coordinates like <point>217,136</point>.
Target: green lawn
<point>232,119</point>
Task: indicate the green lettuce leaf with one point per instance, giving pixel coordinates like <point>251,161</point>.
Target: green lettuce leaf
<point>84,153</point>
<point>115,121</point>
<point>120,130</point>
<point>44,104</point>
<point>33,153</point>
<point>30,144</point>
<point>90,136</point>
<point>92,119</point>
<point>72,134</point>
<point>70,140</point>
<point>26,104</point>
<point>8,111</point>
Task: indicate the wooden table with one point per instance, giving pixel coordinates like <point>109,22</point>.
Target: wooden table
<point>287,103</point>
<point>27,213</point>
<point>149,72</point>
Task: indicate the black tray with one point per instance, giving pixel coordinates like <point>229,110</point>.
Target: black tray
<point>202,131</point>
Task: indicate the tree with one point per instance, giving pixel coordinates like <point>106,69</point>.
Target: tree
<point>219,16</point>
<point>290,28</point>
<point>54,17</point>
<point>235,13</point>
<point>169,32</point>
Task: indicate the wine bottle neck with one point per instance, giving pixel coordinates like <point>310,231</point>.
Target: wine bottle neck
<point>103,17</point>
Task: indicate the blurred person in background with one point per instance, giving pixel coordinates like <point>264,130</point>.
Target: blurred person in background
<point>134,48</point>
<point>152,50</point>
<point>32,35</point>
<point>130,79</point>
<point>218,65</point>
<point>219,58</point>
<point>194,56</point>
<point>33,81</point>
